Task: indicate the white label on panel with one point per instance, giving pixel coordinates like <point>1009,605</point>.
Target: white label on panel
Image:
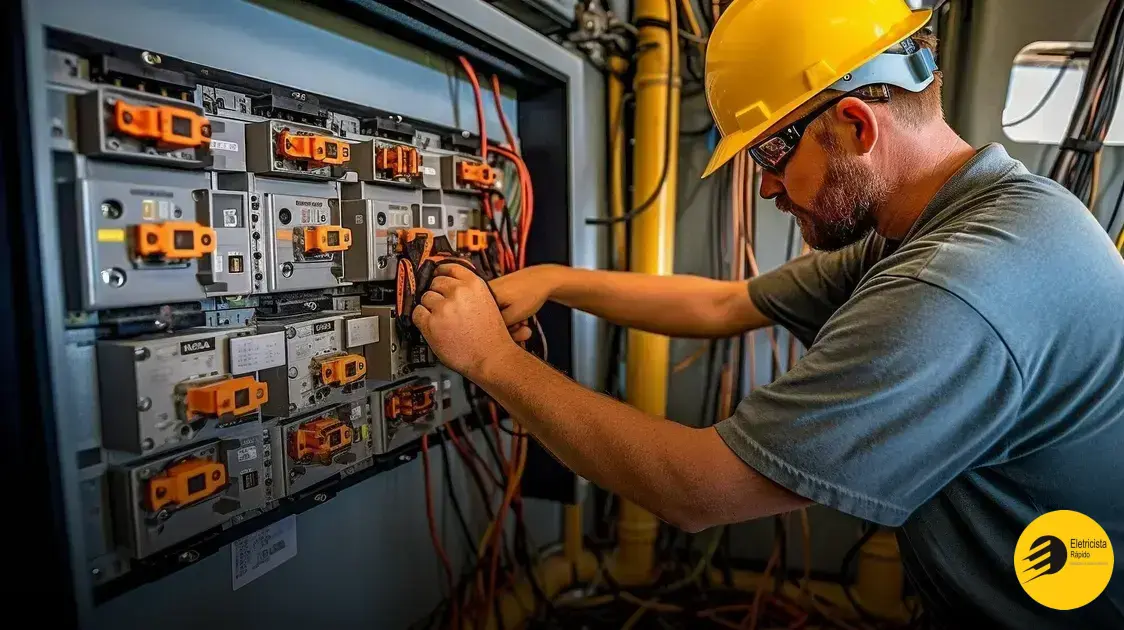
<point>362,331</point>
<point>257,352</point>
<point>259,553</point>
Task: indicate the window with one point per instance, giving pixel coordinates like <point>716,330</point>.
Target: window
<point>1045,83</point>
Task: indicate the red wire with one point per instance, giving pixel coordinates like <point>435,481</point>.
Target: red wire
<point>437,546</point>
<point>503,117</point>
<point>480,128</point>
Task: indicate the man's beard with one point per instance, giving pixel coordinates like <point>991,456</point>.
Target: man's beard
<point>843,210</point>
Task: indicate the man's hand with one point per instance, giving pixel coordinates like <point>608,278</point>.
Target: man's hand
<point>459,319</point>
<point>521,295</point>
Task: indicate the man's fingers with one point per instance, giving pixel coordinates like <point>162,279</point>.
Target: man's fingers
<point>521,334</point>
<point>443,285</point>
<point>454,271</point>
<point>430,299</point>
<point>421,317</point>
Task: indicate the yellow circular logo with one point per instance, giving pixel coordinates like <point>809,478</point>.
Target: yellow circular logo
<point>1063,559</point>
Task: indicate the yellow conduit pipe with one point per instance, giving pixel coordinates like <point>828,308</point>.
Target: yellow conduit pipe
<point>655,171</point>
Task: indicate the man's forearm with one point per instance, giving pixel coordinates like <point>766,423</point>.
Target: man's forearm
<point>677,306</point>
<point>686,476</point>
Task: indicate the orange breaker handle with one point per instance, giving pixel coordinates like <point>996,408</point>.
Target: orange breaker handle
<point>398,161</point>
<point>167,125</point>
<point>184,483</point>
<point>475,174</point>
<point>236,397</point>
<point>341,370</point>
<point>472,240</point>
<point>325,239</point>
<point>319,149</point>
<point>175,240</point>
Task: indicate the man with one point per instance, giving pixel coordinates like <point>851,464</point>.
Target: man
<point>963,321</point>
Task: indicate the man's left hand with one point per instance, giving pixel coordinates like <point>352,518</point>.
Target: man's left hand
<point>459,318</point>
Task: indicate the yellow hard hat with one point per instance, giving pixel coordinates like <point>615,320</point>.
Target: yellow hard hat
<point>768,57</point>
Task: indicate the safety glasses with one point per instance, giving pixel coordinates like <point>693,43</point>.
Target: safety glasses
<point>772,153</point>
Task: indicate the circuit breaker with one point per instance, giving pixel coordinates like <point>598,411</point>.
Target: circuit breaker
<point>373,213</point>
<point>150,235</point>
<point>295,233</point>
<point>310,449</point>
<point>394,355</point>
<point>319,369</point>
<point>163,392</point>
<point>407,411</point>
<point>163,501</point>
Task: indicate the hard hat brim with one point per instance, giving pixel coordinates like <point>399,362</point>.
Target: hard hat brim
<point>736,141</point>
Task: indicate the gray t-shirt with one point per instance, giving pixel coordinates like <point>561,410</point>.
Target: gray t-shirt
<point>957,384</point>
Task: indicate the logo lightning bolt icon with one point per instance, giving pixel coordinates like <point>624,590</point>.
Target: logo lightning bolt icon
<point>1051,554</point>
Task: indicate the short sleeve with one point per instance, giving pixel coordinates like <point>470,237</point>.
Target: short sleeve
<point>804,293</point>
<point>906,387</point>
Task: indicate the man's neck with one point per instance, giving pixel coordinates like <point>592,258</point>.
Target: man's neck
<point>920,166</point>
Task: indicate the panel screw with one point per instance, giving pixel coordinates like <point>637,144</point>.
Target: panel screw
<point>141,353</point>
<point>145,473</point>
<point>151,59</point>
<point>95,572</point>
<point>113,277</point>
<point>147,444</point>
<point>287,270</point>
<point>290,333</point>
<point>292,372</point>
<point>144,404</point>
<point>382,262</point>
<point>111,209</point>
<point>113,144</point>
<point>465,134</point>
<point>278,164</point>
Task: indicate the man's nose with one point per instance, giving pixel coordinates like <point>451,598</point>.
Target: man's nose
<point>771,185</point>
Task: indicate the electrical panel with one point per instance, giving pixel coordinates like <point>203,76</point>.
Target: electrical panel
<point>241,262</point>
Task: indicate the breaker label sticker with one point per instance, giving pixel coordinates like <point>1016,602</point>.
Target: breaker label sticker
<point>257,352</point>
<point>247,453</point>
<point>230,217</point>
<point>429,170</point>
<point>358,219</point>
<point>323,327</point>
<point>197,346</point>
<point>223,145</point>
<point>262,551</point>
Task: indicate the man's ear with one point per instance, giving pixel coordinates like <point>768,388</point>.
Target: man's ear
<point>860,125</point>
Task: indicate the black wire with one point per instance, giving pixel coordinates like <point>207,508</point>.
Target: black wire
<point>453,498</point>
<point>1115,208</point>
<point>869,529</point>
<point>655,195</point>
<point>1045,97</point>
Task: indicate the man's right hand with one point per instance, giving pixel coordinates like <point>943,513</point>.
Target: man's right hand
<point>520,295</point>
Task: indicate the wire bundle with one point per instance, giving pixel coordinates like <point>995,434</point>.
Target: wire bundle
<point>473,595</point>
<point>1078,159</point>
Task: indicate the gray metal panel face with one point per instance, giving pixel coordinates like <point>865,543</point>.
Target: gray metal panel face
<point>111,277</point>
<point>97,136</point>
<point>398,432</point>
<point>283,264</point>
<point>370,220</point>
<point>390,358</point>
<point>143,382</point>
<point>292,475</point>
<point>82,423</point>
<point>228,145</point>
<point>146,533</point>
<point>296,386</point>
<point>227,270</point>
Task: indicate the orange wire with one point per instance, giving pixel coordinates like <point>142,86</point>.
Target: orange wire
<point>437,546</point>
<point>503,117</point>
<point>480,127</point>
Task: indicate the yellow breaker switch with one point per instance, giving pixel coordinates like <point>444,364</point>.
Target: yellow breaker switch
<point>320,439</point>
<point>398,161</point>
<point>235,397</point>
<point>475,174</point>
<point>325,239</point>
<point>184,483</point>
<point>319,149</point>
<point>472,240</point>
<point>175,240</point>
<point>342,369</point>
<point>167,125</point>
